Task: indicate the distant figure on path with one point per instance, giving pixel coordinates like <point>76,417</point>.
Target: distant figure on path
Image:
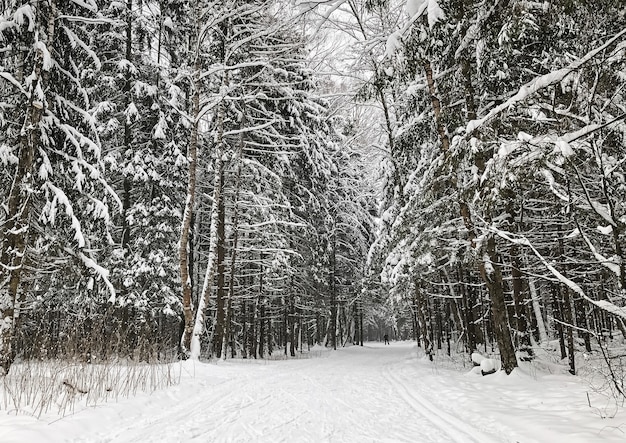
<point>386,337</point>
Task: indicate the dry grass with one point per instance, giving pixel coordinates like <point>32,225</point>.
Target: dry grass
<point>61,388</point>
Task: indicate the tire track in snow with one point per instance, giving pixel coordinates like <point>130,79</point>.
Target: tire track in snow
<point>456,429</point>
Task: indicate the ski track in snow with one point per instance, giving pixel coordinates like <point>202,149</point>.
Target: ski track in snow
<point>343,398</point>
<point>457,430</point>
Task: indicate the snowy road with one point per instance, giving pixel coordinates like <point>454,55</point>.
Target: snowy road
<point>372,394</point>
<point>355,395</point>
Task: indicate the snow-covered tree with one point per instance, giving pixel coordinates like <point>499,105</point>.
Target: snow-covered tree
<point>50,146</point>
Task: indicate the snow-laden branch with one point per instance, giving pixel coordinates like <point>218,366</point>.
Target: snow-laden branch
<point>90,5</point>
<point>94,174</point>
<point>218,68</point>
<point>59,197</point>
<point>8,77</point>
<point>273,222</point>
<point>101,272</point>
<point>573,136</point>
<point>91,21</point>
<point>610,265</point>
<point>250,129</point>
<point>540,82</point>
<point>75,40</point>
<point>310,5</point>
<point>602,304</point>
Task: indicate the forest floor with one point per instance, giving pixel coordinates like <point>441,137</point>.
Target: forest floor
<point>374,393</point>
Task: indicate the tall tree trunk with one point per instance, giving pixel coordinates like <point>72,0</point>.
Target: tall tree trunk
<point>221,314</point>
<point>215,240</point>
<point>558,317</point>
<point>128,137</point>
<point>361,323</point>
<point>262,314</point>
<point>292,326</point>
<point>270,343</point>
<point>569,320</point>
<point>219,329</point>
<point>415,321</point>
<point>245,328</point>
<point>582,321</point>
<point>498,307</point>
<point>469,302</point>
<point>521,323</point>
<point>285,326</point>
<point>541,326</point>
<point>235,240</point>
<point>192,157</point>
<point>566,309</point>
<point>262,320</point>
<point>332,331</point>
<point>422,317</point>
<point>253,317</point>
<point>493,281</point>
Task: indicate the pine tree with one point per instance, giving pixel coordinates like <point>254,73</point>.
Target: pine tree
<point>50,145</point>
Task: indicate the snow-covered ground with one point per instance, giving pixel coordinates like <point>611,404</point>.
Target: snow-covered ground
<point>372,394</point>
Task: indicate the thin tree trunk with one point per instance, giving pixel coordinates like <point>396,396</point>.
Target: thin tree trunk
<point>333,295</point>
<point>583,322</point>
<point>422,316</point>
<point>245,331</point>
<point>219,329</point>
<point>468,313</point>
<point>262,314</point>
<point>558,317</point>
<point>270,344</point>
<point>361,323</point>
<point>262,320</point>
<point>252,340</point>
<point>183,246</point>
<point>541,326</point>
<point>235,230</point>
<point>127,125</point>
<point>292,326</point>
<point>569,319</point>
<point>447,326</point>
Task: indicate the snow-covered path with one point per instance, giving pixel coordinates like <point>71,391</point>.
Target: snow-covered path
<point>351,396</point>
<point>372,394</point>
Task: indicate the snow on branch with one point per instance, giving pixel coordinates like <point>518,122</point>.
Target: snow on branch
<point>309,5</point>
<point>602,304</point>
<point>101,272</point>
<point>250,129</point>
<point>91,21</point>
<point>42,50</point>
<point>539,83</point>
<point>416,8</point>
<point>7,157</point>
<point>25,12</point>
<point>610,265</point>
<point>8,77</point>
<point>60,198</point>
<point>75,40</point>
<point>94,174</point>
<point>90,5</point>
<point>273,223</point>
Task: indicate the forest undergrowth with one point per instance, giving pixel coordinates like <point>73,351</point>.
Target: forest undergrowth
<point>63,387</point>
